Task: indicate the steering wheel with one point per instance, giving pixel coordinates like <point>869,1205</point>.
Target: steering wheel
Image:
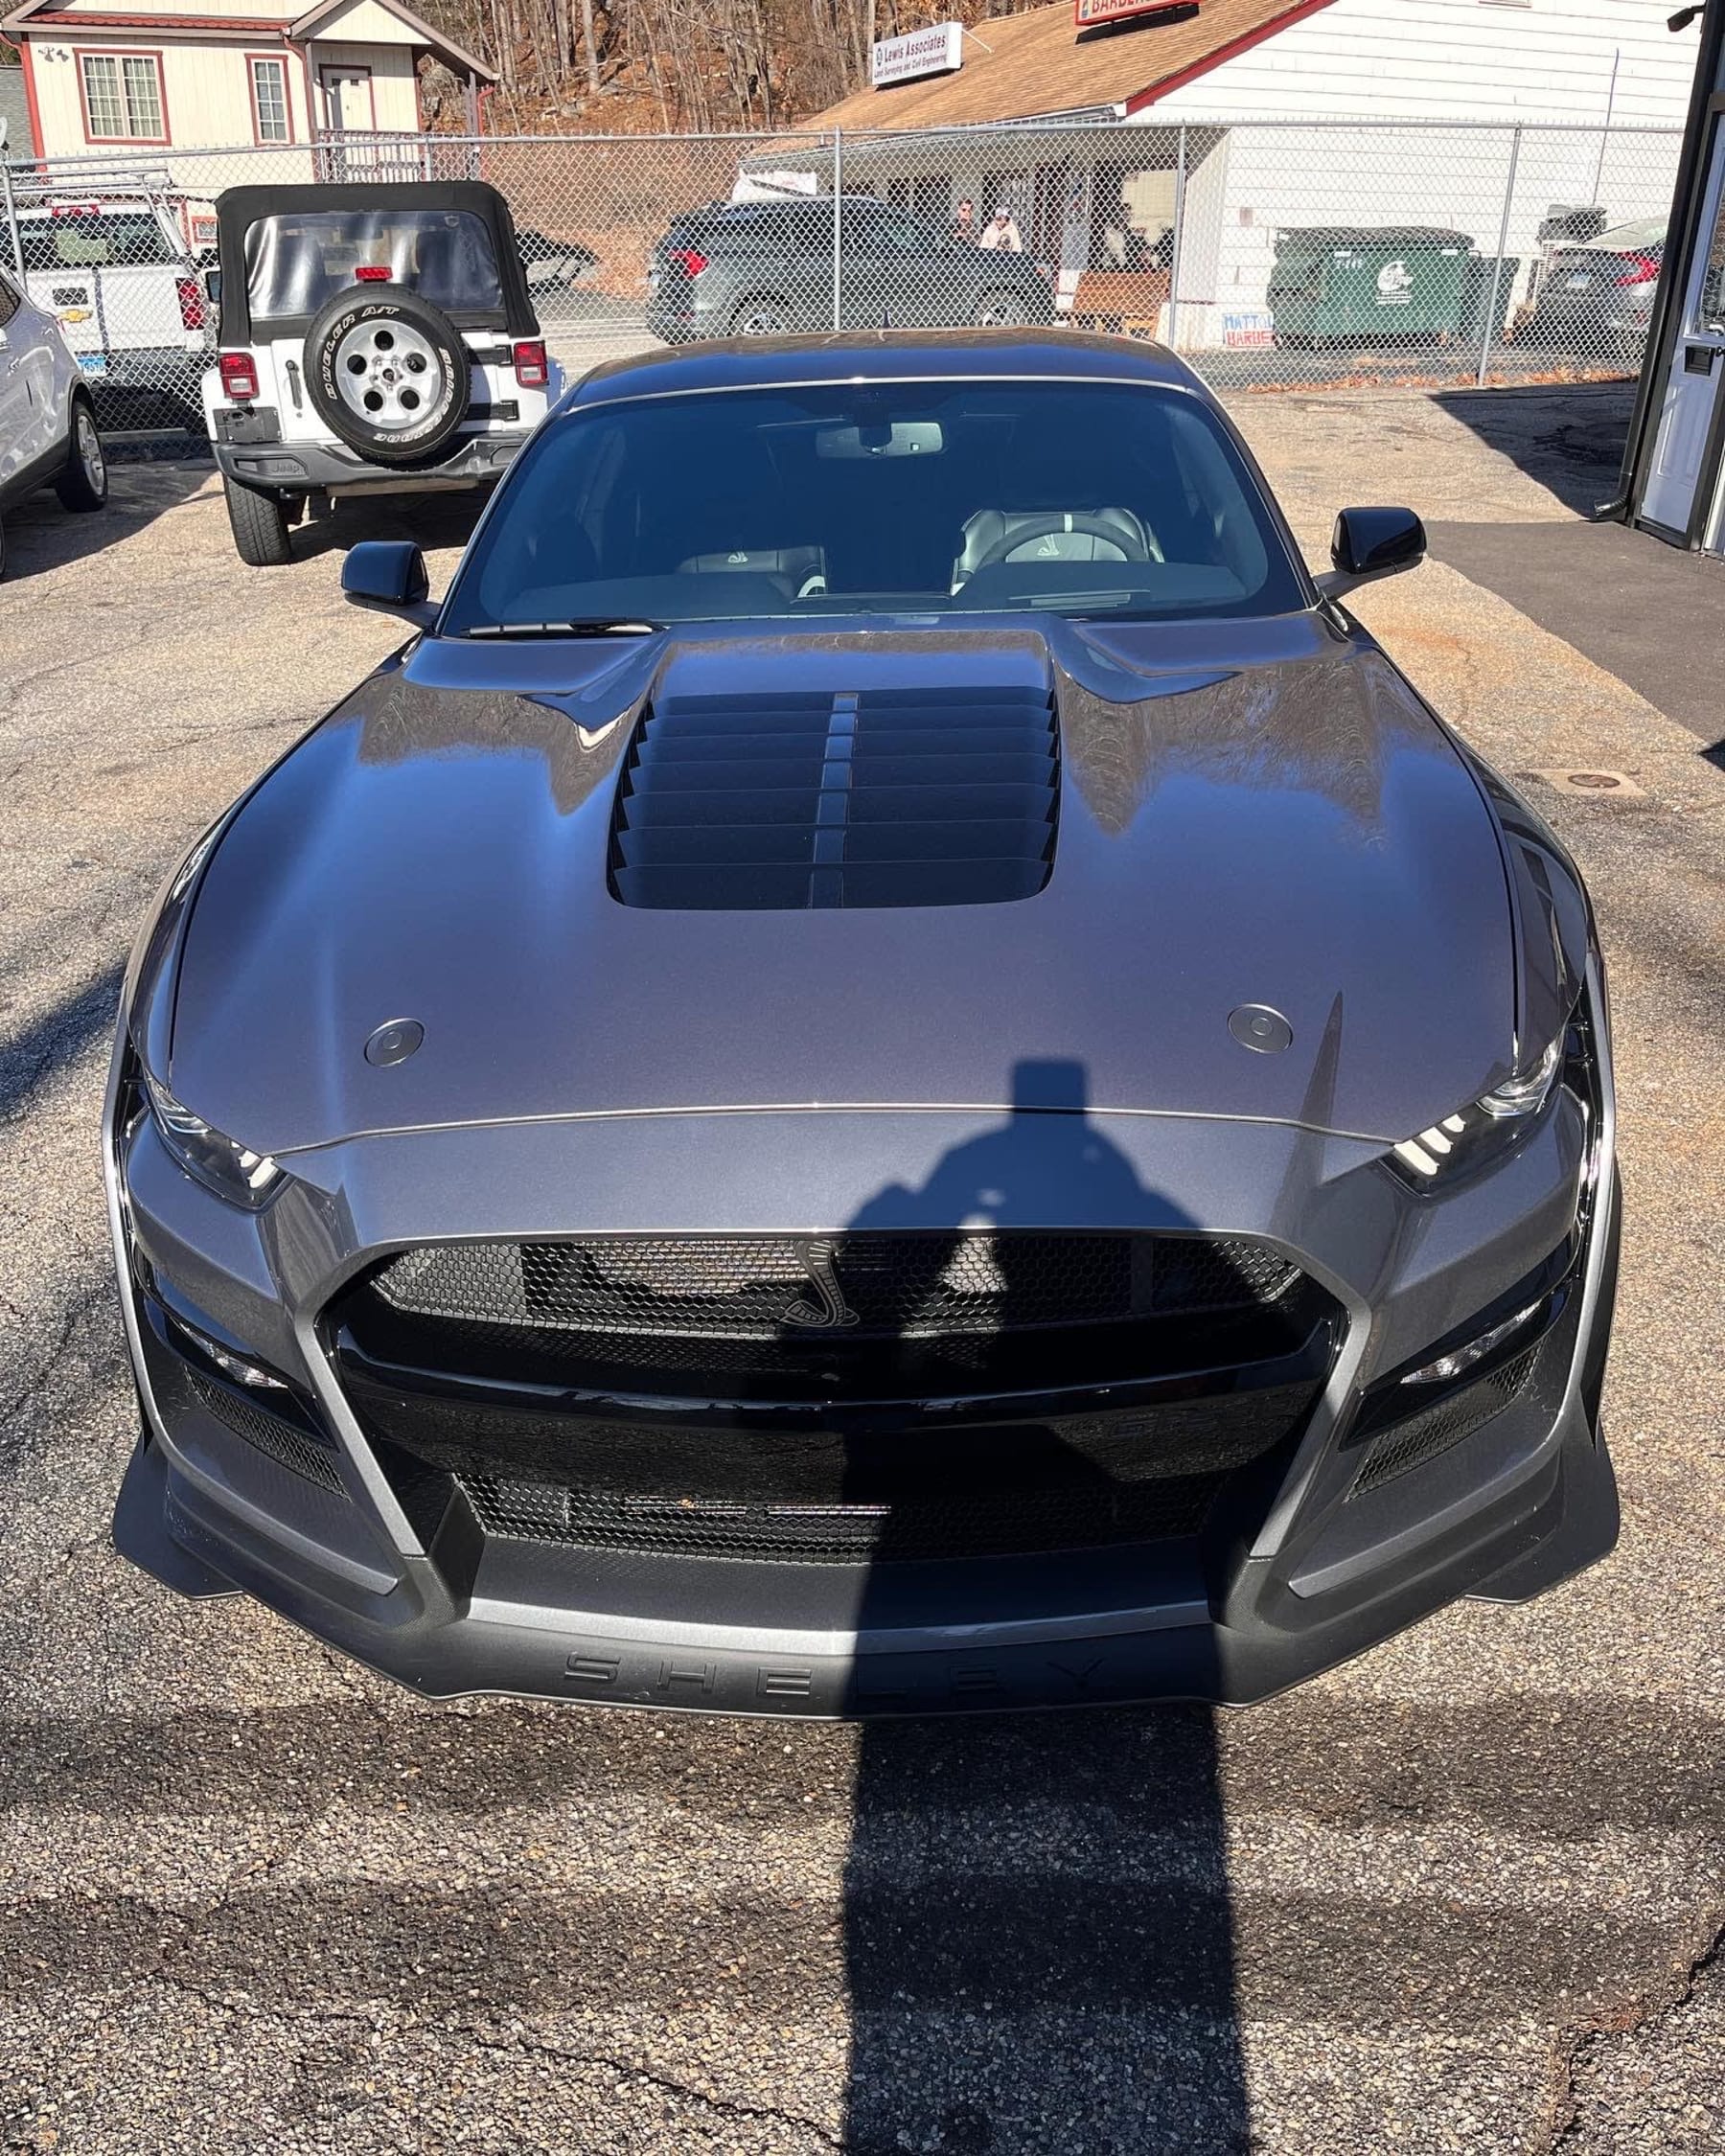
<point>1062,522</point>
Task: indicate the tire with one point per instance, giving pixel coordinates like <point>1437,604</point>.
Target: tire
<point>387,373</point>
<point>260,526</point>
<point>83,485</point>
<point>1001,311</point>
<point>764,316</point>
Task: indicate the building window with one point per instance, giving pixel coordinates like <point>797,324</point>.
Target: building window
<point>123,96</point>
<point>269,99</point>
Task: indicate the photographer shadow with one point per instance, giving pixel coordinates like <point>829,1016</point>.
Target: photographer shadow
<point>1037,1931</point>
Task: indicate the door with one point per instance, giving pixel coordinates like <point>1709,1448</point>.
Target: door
<point>1697,366</point>
<point>14,394</point>
<point>347,106</point>
<point>32,390</point>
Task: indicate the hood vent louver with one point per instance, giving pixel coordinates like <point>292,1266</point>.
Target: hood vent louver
<point>884,797</point>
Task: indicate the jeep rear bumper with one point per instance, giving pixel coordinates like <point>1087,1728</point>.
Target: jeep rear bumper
<point>298,467</point>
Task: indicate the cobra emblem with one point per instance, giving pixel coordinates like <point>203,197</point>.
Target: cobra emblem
<point>826,1309</point>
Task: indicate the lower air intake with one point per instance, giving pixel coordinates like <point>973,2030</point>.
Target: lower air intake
<point>1407,1445</point>
<point>974,1524</point>
<point>270,1434</point>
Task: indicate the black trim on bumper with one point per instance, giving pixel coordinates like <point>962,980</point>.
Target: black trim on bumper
<point>291,468</point>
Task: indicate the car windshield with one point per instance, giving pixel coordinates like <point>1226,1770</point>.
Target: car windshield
<point>91,239</point>
<point>1082,497</point>
<point>300,258</point>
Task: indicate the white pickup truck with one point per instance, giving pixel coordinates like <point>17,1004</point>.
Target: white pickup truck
<point>129,294</point>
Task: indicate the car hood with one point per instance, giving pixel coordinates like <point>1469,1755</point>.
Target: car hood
<point>1249,812</point>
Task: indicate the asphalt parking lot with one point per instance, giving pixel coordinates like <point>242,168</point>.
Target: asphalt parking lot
<point>1466,1893</point>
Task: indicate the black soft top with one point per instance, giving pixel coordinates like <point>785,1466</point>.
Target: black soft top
<point>240,208</point>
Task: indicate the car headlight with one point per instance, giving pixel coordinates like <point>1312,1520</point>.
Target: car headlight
<point>222,1163</point>
<point>1480,1129</point>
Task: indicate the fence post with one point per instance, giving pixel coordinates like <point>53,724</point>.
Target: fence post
<point>12,219</point>
<point>837,221</point>
<point>1497,268</point>
<point>1180,180</point>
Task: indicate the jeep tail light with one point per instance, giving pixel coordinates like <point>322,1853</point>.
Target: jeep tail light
<point>1637,269</point>
<point>239,376</point>
<point>533,370</point>
<point>191,303</point>
<point>689,259</point>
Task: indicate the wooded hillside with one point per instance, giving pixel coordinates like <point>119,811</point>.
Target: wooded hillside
<point>633,66</point>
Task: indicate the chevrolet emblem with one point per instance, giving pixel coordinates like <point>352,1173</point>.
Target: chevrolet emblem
<point>76,314</point>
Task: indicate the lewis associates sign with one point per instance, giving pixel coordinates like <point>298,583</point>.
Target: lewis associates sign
<point>935,51</point>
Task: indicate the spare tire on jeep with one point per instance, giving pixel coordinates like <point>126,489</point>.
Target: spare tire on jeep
<point>388,373</point>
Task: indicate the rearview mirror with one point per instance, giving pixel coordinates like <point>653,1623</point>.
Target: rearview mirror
<point>390,576</point>
<point>1368,543</point>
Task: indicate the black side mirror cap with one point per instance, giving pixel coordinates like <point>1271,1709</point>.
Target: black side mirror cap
<point>390,576</point>
<point>1368,543</point>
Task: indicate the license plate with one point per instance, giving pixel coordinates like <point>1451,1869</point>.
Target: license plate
<point>1578,284</point>
<point>93,362</point>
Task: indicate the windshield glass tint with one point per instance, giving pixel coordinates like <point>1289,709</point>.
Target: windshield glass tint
<point>1086,497</point>
<point>296,262</point>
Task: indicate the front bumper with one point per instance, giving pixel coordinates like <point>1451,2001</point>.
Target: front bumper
<point>1315,1564</point>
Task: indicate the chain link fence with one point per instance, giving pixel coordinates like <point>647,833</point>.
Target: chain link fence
<point>1273,255</point>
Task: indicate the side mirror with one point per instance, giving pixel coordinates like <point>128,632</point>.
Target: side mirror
<point>1368,543</point>
<point>390,576</point>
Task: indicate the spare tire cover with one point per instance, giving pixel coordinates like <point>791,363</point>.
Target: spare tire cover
<point>388,372</point>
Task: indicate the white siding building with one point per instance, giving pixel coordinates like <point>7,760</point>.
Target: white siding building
<point>1267,118</point>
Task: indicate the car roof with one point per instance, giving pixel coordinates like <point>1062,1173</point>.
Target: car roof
<point>851,356</point>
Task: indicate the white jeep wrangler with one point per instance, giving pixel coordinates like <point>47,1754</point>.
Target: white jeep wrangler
<point>373,338</point>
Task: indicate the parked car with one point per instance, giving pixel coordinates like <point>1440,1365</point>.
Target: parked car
<point>375,337</point>
<point>1596,298</point>
<point>552,266</point>
<point>767,269</point>
<point>48,433</point>
<point>891,1069</point>
<point>126,291</point>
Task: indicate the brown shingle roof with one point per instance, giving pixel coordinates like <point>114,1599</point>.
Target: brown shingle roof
<point>1038,65</point>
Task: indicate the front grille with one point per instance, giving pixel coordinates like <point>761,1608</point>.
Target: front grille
<point>289,1447</point>
<point>1406,1445</point>
<point>865,1396</point>
<point>862,1316</point>
<point>931,796</point>
<point>764,1287</point>
<point>967,1523</point>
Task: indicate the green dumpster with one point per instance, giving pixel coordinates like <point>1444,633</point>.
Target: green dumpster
<point>1359,284</point>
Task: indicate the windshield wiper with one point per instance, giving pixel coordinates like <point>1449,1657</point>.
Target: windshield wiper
<point>593,625</point>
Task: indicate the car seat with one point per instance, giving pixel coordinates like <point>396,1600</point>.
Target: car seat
<point>986,528</point>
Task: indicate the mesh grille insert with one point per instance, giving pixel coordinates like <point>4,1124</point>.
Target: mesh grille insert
<point>268,1434</point>
<point>962,1524</point>
<point>718,1289</point>
<point>1422,1436</point>
<point>885,797</point>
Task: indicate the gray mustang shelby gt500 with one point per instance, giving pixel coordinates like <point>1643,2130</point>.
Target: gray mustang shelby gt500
<point>890,1069</point>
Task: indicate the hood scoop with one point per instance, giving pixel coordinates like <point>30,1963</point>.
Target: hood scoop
<point>782,801</point>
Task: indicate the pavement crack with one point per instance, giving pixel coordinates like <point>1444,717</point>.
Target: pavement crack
<point>1580,2046</point>
<point>728,2107</point>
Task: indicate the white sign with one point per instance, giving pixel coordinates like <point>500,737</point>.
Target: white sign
<point>935,51</point>
<point>1249,329</point>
